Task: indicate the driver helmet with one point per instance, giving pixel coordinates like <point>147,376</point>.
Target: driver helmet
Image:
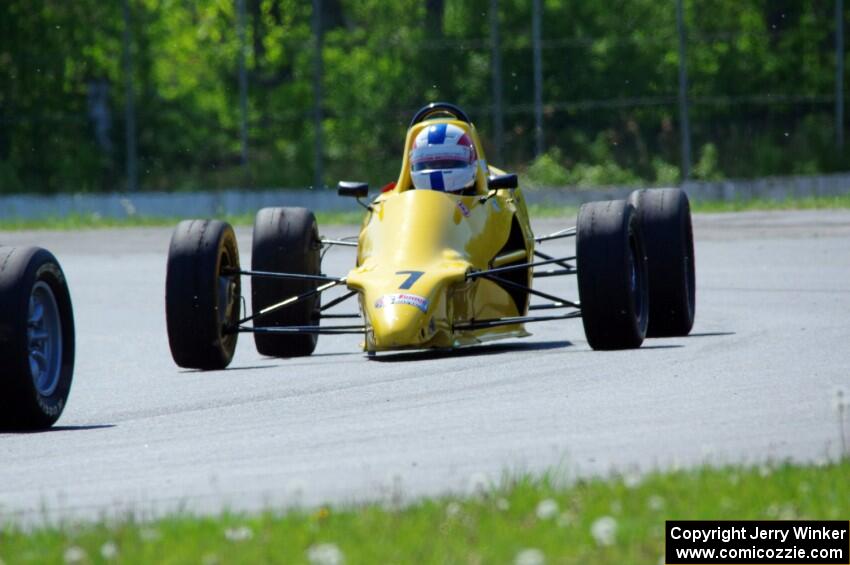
<point>443,158</point>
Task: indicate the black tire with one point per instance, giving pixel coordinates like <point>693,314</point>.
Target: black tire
<point>200,301</point>
<point>612,275</point>
<point>36,339</point>
<point>668,237</point>
<point>285,240</point>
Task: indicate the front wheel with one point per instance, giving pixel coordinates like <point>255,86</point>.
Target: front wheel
<point>202,294</point>
<point>665,221</point>
<point>36,339</point>
<point>286,240</point>
<point>612,275</point>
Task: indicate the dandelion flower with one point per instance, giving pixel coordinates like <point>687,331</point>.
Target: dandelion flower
<point>452,509</point>
<point>604,530</point>
<point>503,504</point>
<point>241,533</point>
<point>632,479</point>
<point>530,557</point>
<point>655,503</point>
<point>325,554</point>
<point>547,509</point>
<point>109,550</point>
<point>75,554</point>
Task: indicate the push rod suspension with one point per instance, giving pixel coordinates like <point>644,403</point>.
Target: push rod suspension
<point>342,242</point>
<point>553,273</point>
<point>542,255</point>
<point>569,232</point>
<point>555,299</point>
<point>480,324</point>
<point>338,300</point>
<point>552,306</point>
<point>294,276</point>
<point>291,300</point>
<point>329,330</point>
<point>515,267</point>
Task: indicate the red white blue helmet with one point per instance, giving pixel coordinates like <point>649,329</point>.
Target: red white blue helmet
<point>443,158</point>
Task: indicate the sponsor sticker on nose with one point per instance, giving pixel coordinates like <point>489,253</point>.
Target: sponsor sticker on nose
<point>410,299</point>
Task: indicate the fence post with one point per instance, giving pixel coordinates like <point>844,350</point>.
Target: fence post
<point>538,78</point>
<point>839,74</point>
<point>243,82</point>
<point>129,103</point>
<point>496,64</point>
<point>684,125</point>
<point>317,94</point>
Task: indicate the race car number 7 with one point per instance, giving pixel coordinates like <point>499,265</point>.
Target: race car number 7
<point>412,277</point>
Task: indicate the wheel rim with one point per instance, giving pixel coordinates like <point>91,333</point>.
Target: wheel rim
<point>636,282</point>
<point>44,339</point>
<point>228,313</point>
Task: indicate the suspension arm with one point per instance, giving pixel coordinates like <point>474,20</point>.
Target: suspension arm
<point>327,330</point>
<point>291,300</point>
<point>481,324</point>
<point>274,275</point>
<point>488,272</point>
<point>341,242</point>
<point>557,300</point>
<point>568,232</point>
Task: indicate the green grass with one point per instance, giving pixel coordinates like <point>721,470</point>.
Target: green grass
<point>93,221</point>
<point>492,526</point>
<point>808,203</point>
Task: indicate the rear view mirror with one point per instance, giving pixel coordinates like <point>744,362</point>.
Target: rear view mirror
<point>355,189</point>
<point>503,181</point>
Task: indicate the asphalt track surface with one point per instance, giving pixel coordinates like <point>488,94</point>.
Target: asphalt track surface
<point>755,381</point>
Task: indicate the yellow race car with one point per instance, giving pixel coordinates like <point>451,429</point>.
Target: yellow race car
<point>446,258</point>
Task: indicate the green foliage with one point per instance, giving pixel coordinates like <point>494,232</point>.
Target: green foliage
<point>547,171</point>
<point>706,167</point>
<point>760,76</point>
<point>665,173</point>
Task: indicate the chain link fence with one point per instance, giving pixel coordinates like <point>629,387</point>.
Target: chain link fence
<point>259,93</point>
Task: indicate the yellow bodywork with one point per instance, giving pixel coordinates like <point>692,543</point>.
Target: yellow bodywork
<point>415,250</point>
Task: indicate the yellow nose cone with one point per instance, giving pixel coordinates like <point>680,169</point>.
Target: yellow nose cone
<point>399,324</point>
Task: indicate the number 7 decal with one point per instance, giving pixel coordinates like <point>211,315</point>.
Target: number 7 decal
<point>412,277</point>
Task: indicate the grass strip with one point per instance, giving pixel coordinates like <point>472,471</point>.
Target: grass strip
<point>95,221</point>
<point>614,520</point>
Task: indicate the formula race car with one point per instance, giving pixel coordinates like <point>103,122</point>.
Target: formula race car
<point>36,339</point>
<point>445,258</point>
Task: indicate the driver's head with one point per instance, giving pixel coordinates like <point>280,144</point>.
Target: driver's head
<point>443,158</point>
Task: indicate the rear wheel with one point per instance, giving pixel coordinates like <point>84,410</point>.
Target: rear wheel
<point>202,293</point>
<point>36,339</point>
<point>612,277</point>
<point>285,240</point>
<point>665,221</point>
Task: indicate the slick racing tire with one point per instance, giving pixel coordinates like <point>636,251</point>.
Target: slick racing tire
<point>612,275</point>
<point>286,240</point>
<point>665,221</point>
<point>36,339</point>
<point>202,294</point>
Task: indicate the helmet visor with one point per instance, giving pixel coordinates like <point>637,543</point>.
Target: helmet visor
<point>434,164</point>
